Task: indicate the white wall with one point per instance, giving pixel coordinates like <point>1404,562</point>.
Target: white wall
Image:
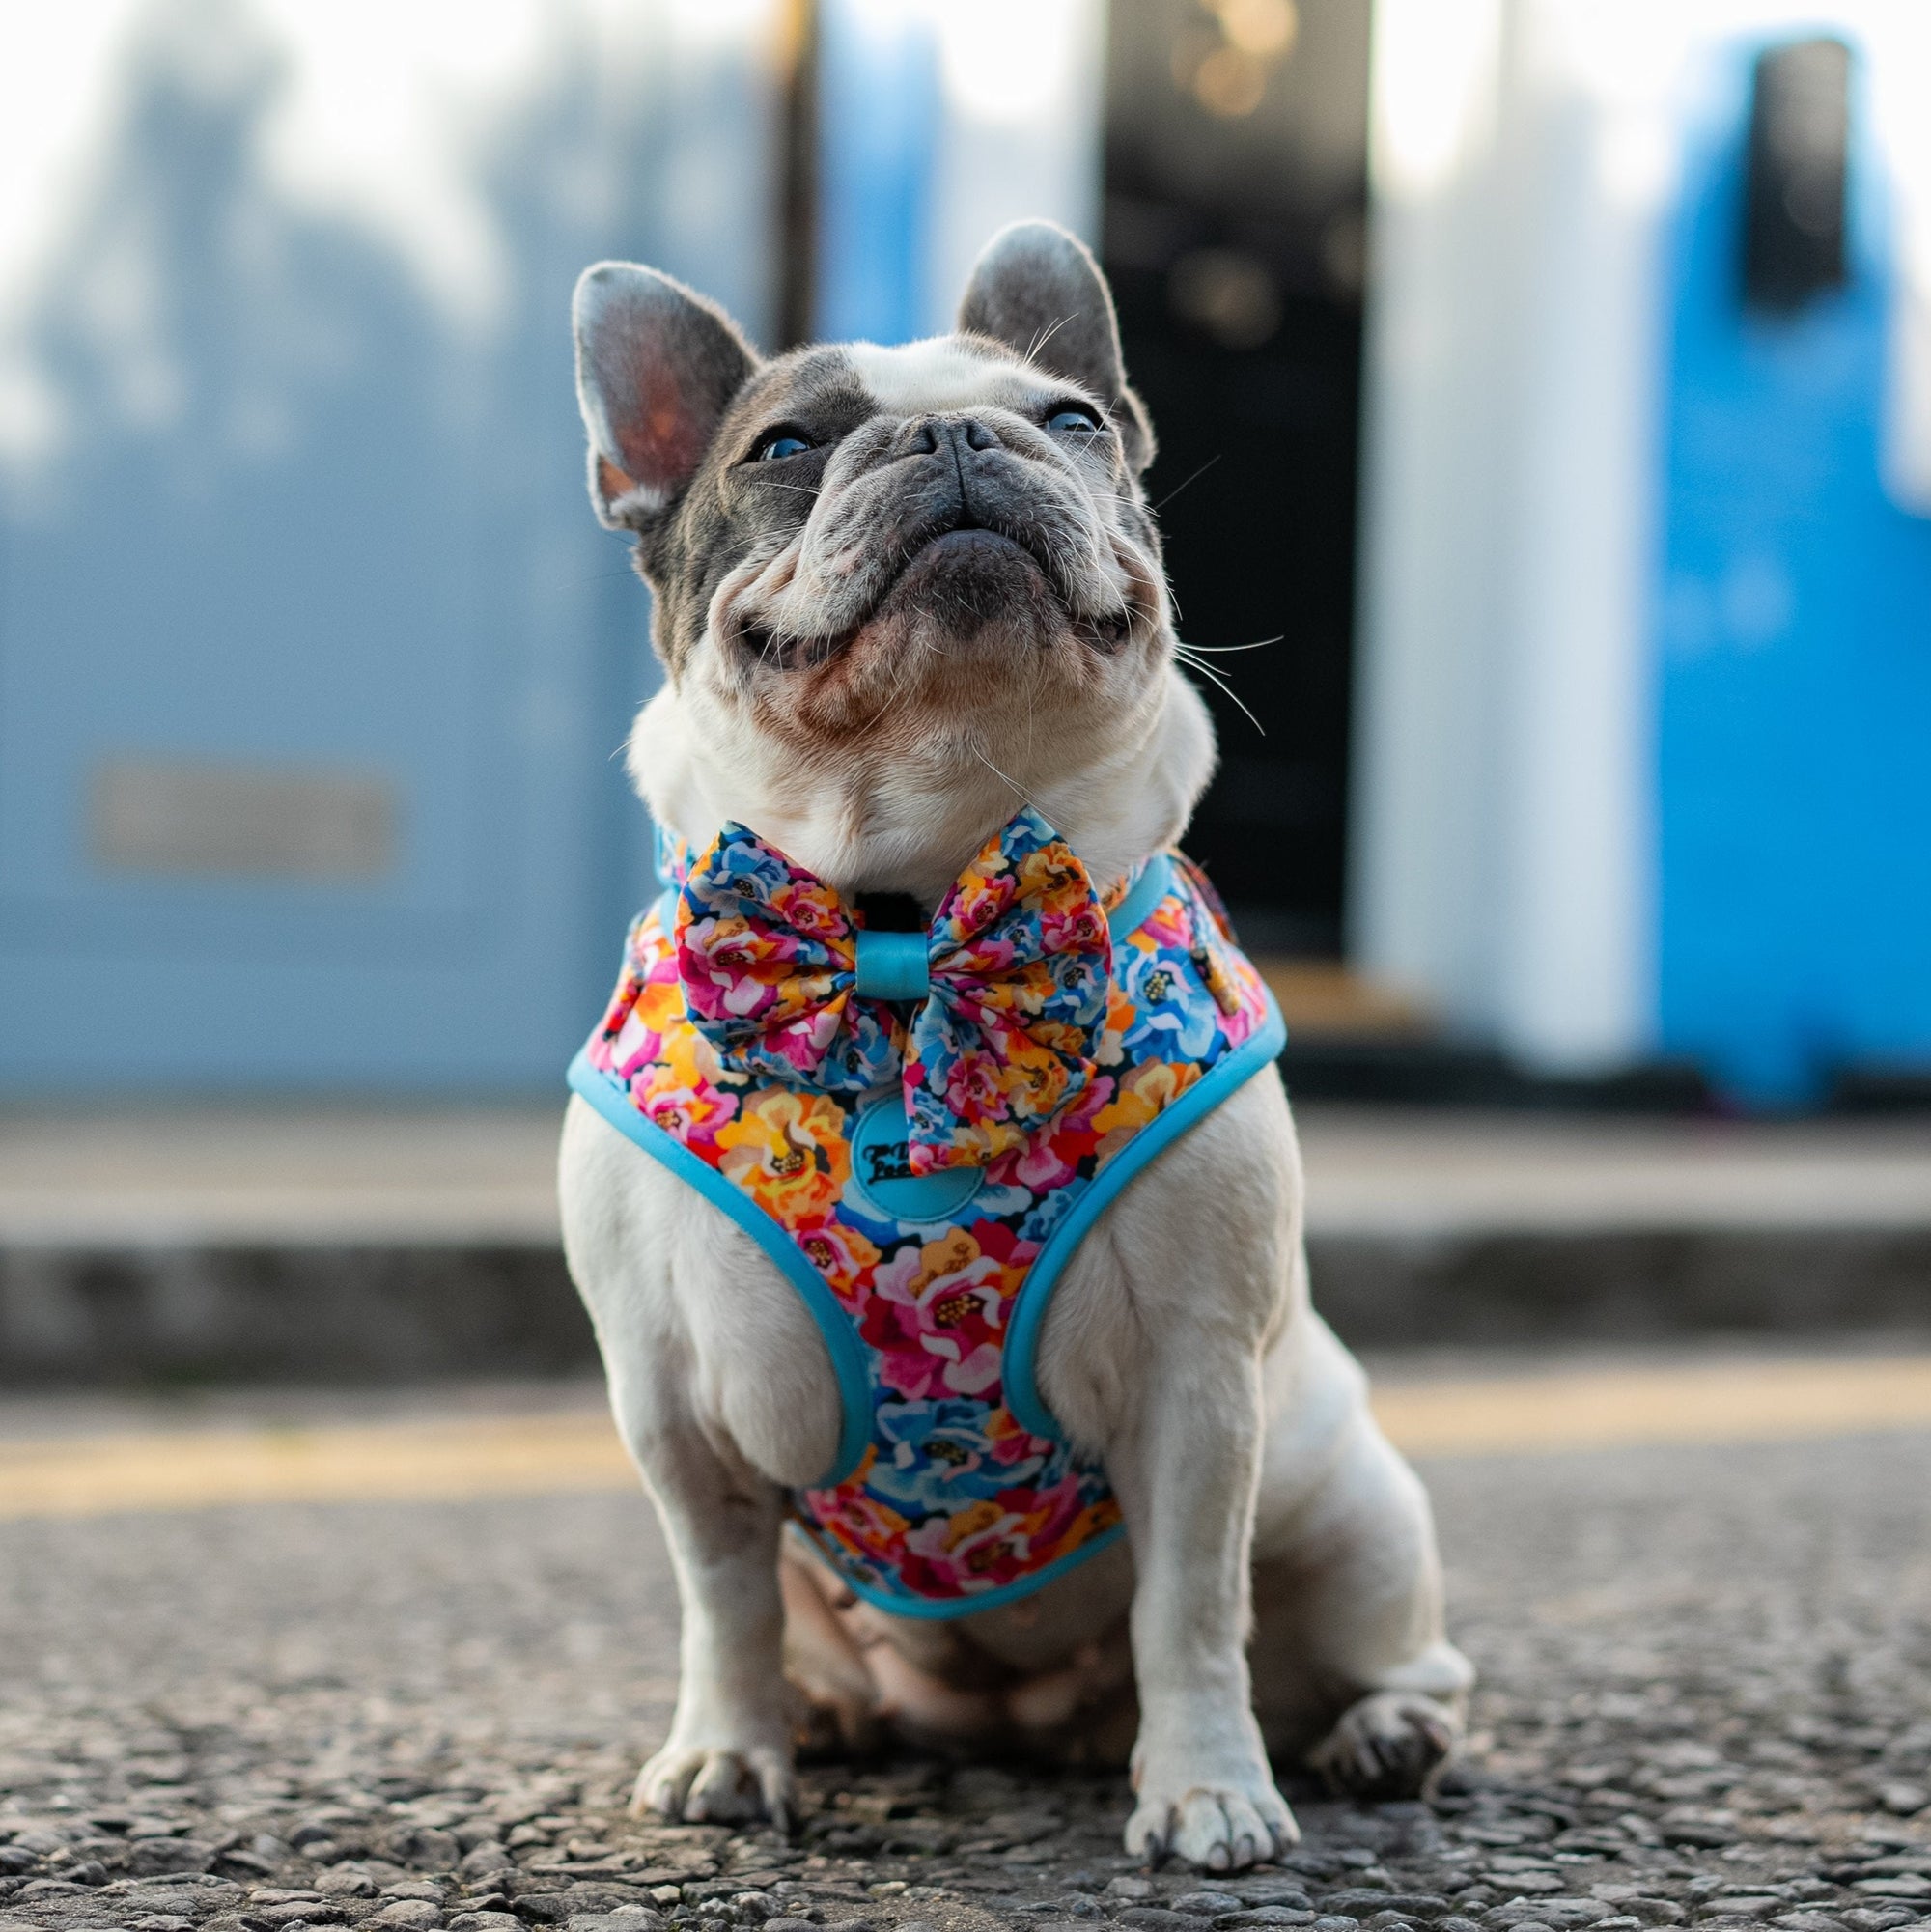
<point>1523,167</point>
<point>1023,83</point>
<point>1501,860</point>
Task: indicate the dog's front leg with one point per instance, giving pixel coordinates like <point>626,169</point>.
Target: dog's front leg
<point>1186,1480</point>
<point>728,1755</point>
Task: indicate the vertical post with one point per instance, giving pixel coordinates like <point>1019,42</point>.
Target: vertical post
<point>1504,864</point>
<point>878,119</point>
<point>798,56</point>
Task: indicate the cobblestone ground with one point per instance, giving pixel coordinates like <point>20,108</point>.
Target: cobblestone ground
<point>1706,1699</point>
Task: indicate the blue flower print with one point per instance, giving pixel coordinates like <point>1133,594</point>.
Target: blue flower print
<point>936,1456</point>
<point>1175,1018</point>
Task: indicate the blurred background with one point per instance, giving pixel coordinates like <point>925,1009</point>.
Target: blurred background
<point>1544,389</point>
<point>1543,386</point>
<point>1550,378</point>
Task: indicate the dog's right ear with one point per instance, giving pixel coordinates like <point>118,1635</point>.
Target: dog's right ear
<point>656,367</point>
<point>1037,289</point>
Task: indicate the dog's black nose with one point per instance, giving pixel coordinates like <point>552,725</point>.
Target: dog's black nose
<point>948,434</point>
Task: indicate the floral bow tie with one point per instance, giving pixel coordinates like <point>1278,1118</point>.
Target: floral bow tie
<point>1010,983</point>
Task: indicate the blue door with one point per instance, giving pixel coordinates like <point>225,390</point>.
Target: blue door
<point>312,662</point>
<point>1795,609</point>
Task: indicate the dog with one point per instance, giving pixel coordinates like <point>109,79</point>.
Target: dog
<point>910,602</point>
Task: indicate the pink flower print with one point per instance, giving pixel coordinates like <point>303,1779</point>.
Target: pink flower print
<point>727,964</point>
<point>1075,927</point>
<point>1242,985</point>
<point>977,1549</point>
<point>1051,1158</point>
<point>985,956</point>
<point>1055,1510</point>
<point>868,1523</point>
<point>1170,923</point>
<point>633,1044</point>
<point>812,909</point>
<point>1041,1167</point>
<point>841,1254</point>
<point>974,1089</point>
<point>972,1374</point>
<point>937,1316</point>
<point>690,1111</point>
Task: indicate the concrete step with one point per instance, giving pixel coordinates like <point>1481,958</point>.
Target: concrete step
<point>316,1242</point>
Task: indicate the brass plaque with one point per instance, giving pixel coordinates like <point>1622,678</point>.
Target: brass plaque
<point>189,818</point>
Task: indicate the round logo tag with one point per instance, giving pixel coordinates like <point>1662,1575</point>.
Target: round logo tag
<point>883,1177</point>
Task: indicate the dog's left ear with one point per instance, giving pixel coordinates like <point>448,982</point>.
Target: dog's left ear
<point>656,367</point>
<point>1038,290</point>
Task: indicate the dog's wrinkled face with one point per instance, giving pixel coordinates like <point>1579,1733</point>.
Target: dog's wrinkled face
<point>935,558</point>
<point>900,537</point>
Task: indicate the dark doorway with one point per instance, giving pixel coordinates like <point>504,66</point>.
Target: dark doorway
<point>1235,219</point>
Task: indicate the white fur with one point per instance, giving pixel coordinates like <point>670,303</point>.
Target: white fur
<point>1268,1517</point>
<point>698,762</point>
<point>939,373</point>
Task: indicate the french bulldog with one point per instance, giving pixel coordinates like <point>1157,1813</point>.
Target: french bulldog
<point>897,594</point>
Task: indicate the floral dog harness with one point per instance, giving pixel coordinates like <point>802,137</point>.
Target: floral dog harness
<point>918,1128</point>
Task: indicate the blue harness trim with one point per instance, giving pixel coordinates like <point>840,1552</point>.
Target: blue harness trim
<point>1021,1393</point>
<point>935,1608</point>
<point>848,1362</point>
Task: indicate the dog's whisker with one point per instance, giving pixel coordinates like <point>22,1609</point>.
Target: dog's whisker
<point>1189,481</point>
<point>1019,789</point>
<point>1046,335</point>
<point>1208,671</point>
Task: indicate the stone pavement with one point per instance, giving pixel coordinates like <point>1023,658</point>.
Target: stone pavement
<point>1705,1700</point>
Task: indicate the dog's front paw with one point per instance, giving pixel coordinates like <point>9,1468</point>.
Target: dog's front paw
<point>1387,1746</point>
<point>703,1785</point>
<point>1220,1824</point>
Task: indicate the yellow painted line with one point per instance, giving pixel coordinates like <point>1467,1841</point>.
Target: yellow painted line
<point>546,1455</point>
<point>1717,1402</point>
<point>416,1462</point>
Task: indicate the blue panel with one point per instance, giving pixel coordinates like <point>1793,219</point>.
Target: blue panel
<point>314,505</point>
<point>1795,659</point>
<point>878,109</point>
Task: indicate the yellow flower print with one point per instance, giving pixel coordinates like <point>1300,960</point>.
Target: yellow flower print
<point>787,1151</point>
<point>1121,1014</point>
<point>971,1522</point>
<point>693,1061</point>
<point>1148,1090</point>
<point>1091,1522</point>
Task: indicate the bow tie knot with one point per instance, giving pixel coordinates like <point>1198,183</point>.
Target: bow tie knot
<point>1009,981</point>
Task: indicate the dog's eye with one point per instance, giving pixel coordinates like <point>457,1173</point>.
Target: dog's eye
<point>1073,421</point>
<point>787,442</point>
